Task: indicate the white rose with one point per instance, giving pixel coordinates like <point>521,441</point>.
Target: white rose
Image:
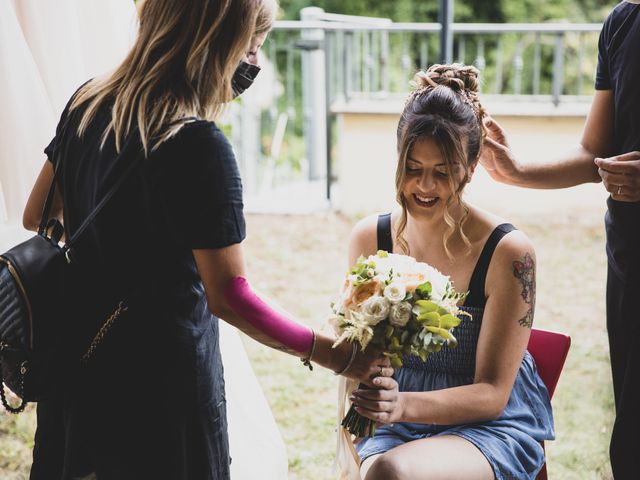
<point>395,292</point>
<point>383,265</point>
<point>438,281</point>
<point>402,263</point>
<point>381,278</point>
<point>375,309</point>
<point>400,314</point>
<point>439,287</point>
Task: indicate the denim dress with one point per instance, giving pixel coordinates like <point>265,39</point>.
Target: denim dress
<point>511,443</point>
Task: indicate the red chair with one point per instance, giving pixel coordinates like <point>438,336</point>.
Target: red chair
<point>549,351</point>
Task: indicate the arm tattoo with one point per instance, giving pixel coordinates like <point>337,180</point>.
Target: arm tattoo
<point>525,271</point>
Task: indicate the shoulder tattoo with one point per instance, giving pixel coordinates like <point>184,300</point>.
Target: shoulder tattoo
<point>525,271</point>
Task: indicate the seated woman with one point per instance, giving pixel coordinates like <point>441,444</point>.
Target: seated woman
<point>478,411</point>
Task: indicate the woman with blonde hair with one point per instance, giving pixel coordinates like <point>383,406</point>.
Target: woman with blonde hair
<point>162,259</point>
<point>480,410</point>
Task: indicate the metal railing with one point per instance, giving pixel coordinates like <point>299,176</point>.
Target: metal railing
<point>517,59</point>
<point>338,59</point>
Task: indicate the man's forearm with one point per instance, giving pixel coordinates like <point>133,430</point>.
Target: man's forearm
<point>574,168</point>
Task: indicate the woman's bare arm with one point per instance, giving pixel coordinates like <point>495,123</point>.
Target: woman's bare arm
<point>573,168</point>
<point>35,204</point>
<point>218,267</point>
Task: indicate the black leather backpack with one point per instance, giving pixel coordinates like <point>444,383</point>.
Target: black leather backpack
<point>33,279</point>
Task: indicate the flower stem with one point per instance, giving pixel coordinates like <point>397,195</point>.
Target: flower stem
<point>358,425</point>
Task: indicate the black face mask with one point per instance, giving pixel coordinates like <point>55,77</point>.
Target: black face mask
<point>243,77</point>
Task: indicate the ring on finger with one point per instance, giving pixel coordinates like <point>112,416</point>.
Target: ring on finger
<point>619,192</point>
<point>381,370</point>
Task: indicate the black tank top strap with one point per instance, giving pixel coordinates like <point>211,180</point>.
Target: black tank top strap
<point>385,241</point>
<point>476,296</point>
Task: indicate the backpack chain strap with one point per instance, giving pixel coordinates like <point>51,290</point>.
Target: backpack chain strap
<point>106,326</point>
<point>24,368</point>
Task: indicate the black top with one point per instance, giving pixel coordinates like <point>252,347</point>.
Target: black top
<point>151,402</point>
<point>619,71</point>
<point>385,239</point>
<point>476,298</point>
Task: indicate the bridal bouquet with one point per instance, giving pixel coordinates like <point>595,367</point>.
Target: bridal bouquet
<point>399,305</point>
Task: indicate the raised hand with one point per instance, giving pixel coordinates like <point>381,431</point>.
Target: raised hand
<point>382,404</point>
<point>621,176</point>
<point>496,156</point>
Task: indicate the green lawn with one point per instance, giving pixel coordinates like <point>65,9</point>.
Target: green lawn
<point>299,261</point>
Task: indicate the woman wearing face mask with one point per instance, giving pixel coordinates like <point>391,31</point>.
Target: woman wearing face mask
<point>478,411</point>
<point>163,258</point>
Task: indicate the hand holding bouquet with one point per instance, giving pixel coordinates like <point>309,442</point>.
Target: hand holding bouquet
<point>399,305</point>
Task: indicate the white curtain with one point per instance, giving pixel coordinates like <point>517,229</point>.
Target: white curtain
<point>47,50</point>
<point>26,118</point>
<point>257,449</point>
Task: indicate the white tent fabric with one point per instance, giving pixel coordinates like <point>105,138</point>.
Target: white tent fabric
<point>257,448</point>
<point>26,117</point>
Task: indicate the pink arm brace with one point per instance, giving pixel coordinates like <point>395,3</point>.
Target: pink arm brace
<point>249,306</point>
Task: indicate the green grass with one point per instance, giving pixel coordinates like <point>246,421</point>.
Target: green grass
<point>299,261</point>
<point>16,442</point>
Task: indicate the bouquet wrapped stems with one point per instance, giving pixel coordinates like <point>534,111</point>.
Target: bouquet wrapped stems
<point>358,425</point>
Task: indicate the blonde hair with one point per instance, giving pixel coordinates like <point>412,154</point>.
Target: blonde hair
<point>180,66</point>
<point>445,106</point>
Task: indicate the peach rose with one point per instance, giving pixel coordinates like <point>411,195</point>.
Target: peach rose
<point>362,293</point>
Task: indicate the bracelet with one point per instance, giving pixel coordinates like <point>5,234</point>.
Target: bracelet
<point>307,361</point>
<point>354,350</point>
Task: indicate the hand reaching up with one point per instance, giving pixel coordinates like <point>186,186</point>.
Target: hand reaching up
<point>496,156</point>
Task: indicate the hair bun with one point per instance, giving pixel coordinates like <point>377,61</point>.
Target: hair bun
<point>456,76</point>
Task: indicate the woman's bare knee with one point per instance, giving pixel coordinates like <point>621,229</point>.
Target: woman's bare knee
<point>387,466</point>
<point>437,458</point>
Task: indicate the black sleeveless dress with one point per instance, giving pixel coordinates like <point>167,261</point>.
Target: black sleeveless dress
<point>510,443</point>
